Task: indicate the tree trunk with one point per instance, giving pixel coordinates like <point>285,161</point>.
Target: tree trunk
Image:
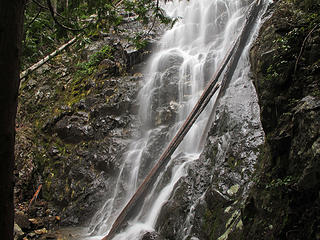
<point>55,7</point>
<point>11,23</point>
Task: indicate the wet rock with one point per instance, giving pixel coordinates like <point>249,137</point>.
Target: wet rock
<point>75,128</point>
<point>22,220</point>
<point>31,235</point>
<point>170,219</point>
<point>135,56</point>
<point>208,67</point>
<point>288,168</point>
<point>79,126</point>
<point>178,216</point>
<point>17,232</point>
<point>48,126</point>
<point>217,183</point>
<point>109,109</point>
<point>165,97</point>
<point>166,115</point>
<point>107,68</point>
<point>151,236</point>
<point>169,60</point>
<point>102,163</point>
<point>41,231</point>
<point>36,222</point>
<point>213,197</point>
<point>155,145</point>
<point>40,218</point>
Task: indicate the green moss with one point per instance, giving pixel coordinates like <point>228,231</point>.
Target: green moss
<point>89,67</point>
<point>233,189</point>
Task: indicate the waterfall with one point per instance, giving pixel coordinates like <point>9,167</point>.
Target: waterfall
<point>187,56</point>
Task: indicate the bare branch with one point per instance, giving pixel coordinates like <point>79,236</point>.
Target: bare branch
<point>56,20</point>
<point>46,8</point>
<point>37,15</point>
<point>302,48</point>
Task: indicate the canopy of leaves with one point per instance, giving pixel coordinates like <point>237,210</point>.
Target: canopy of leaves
<point>49,23</point>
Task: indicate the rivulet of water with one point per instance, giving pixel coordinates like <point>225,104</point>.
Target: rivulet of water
<point>176,75</point>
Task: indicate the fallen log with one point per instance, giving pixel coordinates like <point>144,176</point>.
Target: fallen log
<point>234,53</point>
<point>34,67</point>
<point>241,43</point>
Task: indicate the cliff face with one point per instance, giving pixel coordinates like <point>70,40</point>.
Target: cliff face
<point>284,204</point>
<point>269,190</point>
<point>74,118</point>
<point>74,122</point>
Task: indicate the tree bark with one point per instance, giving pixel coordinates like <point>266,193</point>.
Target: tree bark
<point>11,24</point>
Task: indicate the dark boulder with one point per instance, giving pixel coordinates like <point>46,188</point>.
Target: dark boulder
<point>75,128</point>
<point>151,236</point>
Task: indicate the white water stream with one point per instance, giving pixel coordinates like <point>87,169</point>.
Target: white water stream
<point>176,75</point>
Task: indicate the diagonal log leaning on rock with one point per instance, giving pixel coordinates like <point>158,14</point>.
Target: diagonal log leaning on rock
<point>232,57</point>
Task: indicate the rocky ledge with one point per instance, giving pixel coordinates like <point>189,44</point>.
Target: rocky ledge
<point>285,203</point>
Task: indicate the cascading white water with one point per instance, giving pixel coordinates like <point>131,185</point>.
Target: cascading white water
<point>177,73</point>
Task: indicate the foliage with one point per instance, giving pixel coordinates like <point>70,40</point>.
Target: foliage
<point>87,68</point>
<point>91,17</point>
<point>39,35</point>
<point>276,183</point>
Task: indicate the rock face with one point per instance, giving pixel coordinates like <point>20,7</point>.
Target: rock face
<point>285,201</point>
<point>164,98</point>
<point>72,126</point>
<point>74,123</point>
<point>283,181</point>
<point>35,221</point>
<point>206,204</point>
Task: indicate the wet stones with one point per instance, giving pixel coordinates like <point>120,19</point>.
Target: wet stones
<point>75,128</point>
<point>108,68</point>
<point>34,222</point>
<point>209,66</point>
<point>165,96</point>
<point>182,214</point>
<point>151,236</point>
<point>80,124</point>
<point>92,135</point>
<point>166,115</point>
<point>22,220</point>
<point>136,56</point>
<point>169,60</point>
<point>17,232</point>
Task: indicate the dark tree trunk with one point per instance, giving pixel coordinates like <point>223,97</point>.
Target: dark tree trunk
<point>11,20</point>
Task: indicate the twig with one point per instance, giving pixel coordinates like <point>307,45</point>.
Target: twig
<point>154,19</point>
<point>32,21</point>
<point>302,48</point>
<point>60,24</point>
<point>35,196</point>
<point>46,8</point>
<point>119,3</point>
